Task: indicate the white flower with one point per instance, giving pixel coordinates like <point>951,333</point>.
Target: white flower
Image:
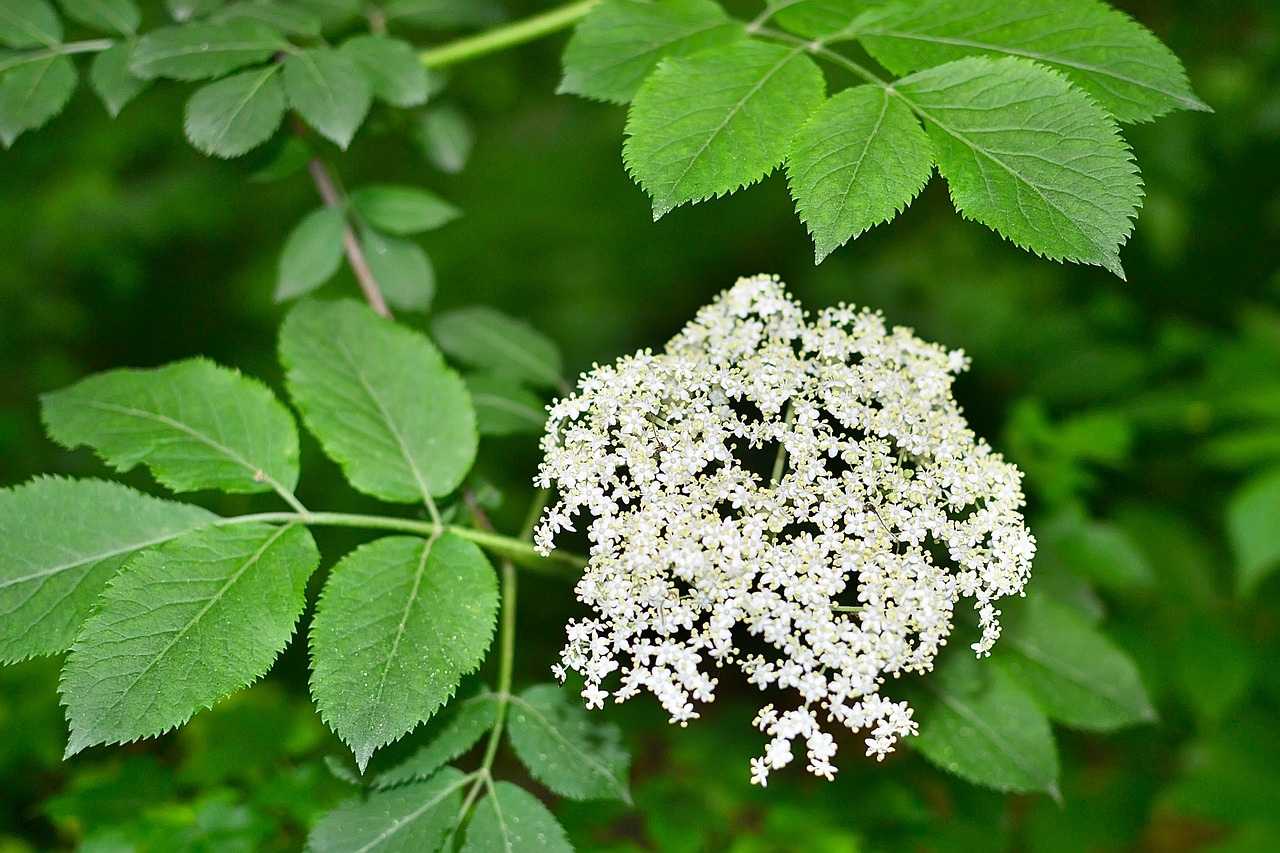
<point>803,502</point>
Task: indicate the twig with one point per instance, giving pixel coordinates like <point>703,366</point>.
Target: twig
<point>328,190</point>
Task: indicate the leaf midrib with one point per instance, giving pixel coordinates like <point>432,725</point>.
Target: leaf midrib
<point>590,760</point>
<point>970,716</point>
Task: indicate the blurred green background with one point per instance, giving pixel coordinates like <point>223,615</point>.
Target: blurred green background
<point>1140,411</point>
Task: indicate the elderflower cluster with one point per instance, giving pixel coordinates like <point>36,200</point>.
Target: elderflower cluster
<point>801,501</point>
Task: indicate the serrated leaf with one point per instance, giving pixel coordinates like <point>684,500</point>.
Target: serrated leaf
<point>380,399</point>
<point>60,541</point>
<point>402,270</point>
<point>182,626</point>
<point>826,21</point>
<point>287,18</point>
<point>1253,527</point>
<point>1078,676</point>
<point>311,253</point>
<point>111,78</point>
<point>446,138</point>
<point>393,68</point>
<point>621,41</point>
<point>1030,156</point>
<point>29,23</point>
<point>1101,49</point>
<point>113,16</point>
<point>237,114</point>
<point>330,91</point>
<point>511,820</point>
<point>408,819</point>
<point>717,121</point>
<point>488,339</point>
<point>859,160</point>
<point>564,749</point>
<point>195,424</point>
<point>33,93</point>
<point>402,210</point>
<point>464,723</point>
<point>423,613</point>
<point>185,10</point>
<point>504,406</point>
<point>204,50</point>
<point>983,728</point>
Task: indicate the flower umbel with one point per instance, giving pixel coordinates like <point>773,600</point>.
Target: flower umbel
<point>801,501</point>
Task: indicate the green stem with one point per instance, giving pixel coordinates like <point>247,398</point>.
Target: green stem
<point>509,35</point>
<point>819,47</point>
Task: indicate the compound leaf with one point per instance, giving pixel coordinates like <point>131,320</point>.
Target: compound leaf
<point>488,339</point>
<point>858,161</point>
<point>182,626</point>
<point>511,820</point>
<point>330,91</point>
<point>113,16</point>
<point>194,423</point>
<point>311,253</point>
<point>60,541</point>
<point>407,819</point>
<point>1102,50</point>
<point>1253,527</point>
<point>401,620</point>
<point>111,78</point>
<point>33,93</point>
<point>564,749</point>
<point>402,210</point>
<point>1030,156</point>
<point>402,270</point>
<point>29,23</point>
<point>237,114</point>
<point>392,68</point>
<point>616,46</point>
<point>458,728</point>
<point>1079,677</point>
<point>380,399</point>
<point>712,123</point>
<point>202,51</point>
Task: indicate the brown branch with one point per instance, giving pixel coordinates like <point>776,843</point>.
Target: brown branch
<point>328,190</point>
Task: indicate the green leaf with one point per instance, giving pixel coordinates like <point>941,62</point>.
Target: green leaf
<point>29,23</point>
<point>113,16</point>
<point>983,728</point>
<point>565,750</point>
<point>330,91</point>
<point>203,51</point>
<point>717,121</point>
<point>621,41</point>
<point>380,399</point>
<point>825,20</point>
<point>504,406</point>
<point>512,820</point>
<point>60,540</point>
<point>1079,677</point>
<point>402,210</point>
<point>286,18</point>
<point>858,161</point>
<point>1100,551</point>
<point>33,93</point>
<point>185,10</point>
<point>463,724</point>
<point>393,68</point>
<point>195,424</point>
<point>1102,50</point>
<point>402,270</point>
<point>424,613</point>
<point>111,78</point>
<point>311,253</point>
<point>488,339</point>
<point>237,114</point>
<point>1253,527</point>
<point>1030,156</point>
<point>182,626</point>
<point>446,138</point>
<point>408,819</point>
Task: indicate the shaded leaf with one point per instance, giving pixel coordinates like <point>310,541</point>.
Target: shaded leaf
<point>408,819</point>
<point>504,406</point>
<point>1100,551</point>
<point>446,138</point>
<point>402,210</point>
<point>512,820</point>
<point>113,16</point>
<point>290,18</point>
<point>401,620</point>
<point>858,161</point>
<point>464,723</point>
<point>185,10</point>
<point>392,66</point>
<point>380,399</point>
<point>1253,526</point>
<point>564,749</point>
<point>311,253</point>
<point>204,50</point>
<point>195,424</point>
<point>1030,156</point>
<point>717,121</point>
<point>330,91</point>
<point>182,626</point>
<point>60,541</point>
<point>111,78</point>
<point>402,270</point>
<point>237,114</point>
<point>621,41</point>
<point>29,23</point>
<point>33,93</point>
<point>488,339</point>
